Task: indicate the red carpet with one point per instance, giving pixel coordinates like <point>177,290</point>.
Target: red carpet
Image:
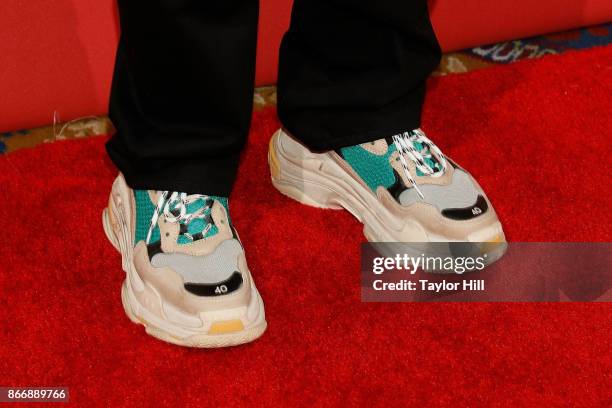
<point>537,135</point>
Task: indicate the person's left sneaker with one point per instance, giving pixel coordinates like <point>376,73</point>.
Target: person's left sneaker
<point>403,189</point>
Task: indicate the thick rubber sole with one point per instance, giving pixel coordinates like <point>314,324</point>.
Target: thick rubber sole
<point>164,329</point>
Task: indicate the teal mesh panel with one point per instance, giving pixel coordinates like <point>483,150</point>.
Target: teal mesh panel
<point>428,160</point>
<point>144,212</point>
<point>375,170</point>
<point>195,206</point>
<point>196,226</point>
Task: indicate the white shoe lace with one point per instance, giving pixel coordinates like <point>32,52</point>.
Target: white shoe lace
<point>172,201</point>
<point>404,144</point>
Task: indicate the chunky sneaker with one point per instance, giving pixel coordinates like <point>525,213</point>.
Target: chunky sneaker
<point>187,279</point>
<point>403,189</point>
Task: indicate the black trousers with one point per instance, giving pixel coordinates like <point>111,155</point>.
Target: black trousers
<point>351,71</point>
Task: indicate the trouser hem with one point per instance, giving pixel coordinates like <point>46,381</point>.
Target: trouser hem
<point>211,176</point>
<point>320,140</point>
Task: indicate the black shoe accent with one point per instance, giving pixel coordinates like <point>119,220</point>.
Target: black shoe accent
<point>216,289</point>
<point>153,249</point>
<point>455,165</point>
<point>209,219</point>
<point>183,229</point>
<point>235,235</point>
<point>467,213</point>
<point>398,187</point>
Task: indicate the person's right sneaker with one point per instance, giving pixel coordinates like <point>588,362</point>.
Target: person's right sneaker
<point>402,188</point>
<point>187,279</point>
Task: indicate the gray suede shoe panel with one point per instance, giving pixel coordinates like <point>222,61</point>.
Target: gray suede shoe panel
<point>460,193</point>
<point>213,268</point>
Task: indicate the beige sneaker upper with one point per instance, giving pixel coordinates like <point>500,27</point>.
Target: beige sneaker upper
<point>394,199</point>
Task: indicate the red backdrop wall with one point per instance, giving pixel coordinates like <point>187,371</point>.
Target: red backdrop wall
<point>57,55</point>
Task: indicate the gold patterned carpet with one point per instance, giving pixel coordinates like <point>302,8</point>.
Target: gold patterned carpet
<point>452,63</point>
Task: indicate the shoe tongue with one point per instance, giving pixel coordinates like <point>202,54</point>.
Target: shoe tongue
<point>194,230</point>
<point>202,207</point>
<point>196,204</point>
<point>430,158</point>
